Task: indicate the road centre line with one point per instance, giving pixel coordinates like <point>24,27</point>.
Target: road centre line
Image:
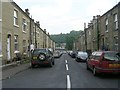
<point>66,61</point>
<point>68,82</point>
<point>67,67</point>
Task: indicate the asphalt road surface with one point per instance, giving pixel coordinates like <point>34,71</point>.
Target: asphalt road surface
<point>66,73</point>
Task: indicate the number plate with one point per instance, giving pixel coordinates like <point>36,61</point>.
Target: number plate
<point>34,57</point>
<point>114,65</point>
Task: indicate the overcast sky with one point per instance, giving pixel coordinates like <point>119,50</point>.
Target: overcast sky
<point>62,16</point>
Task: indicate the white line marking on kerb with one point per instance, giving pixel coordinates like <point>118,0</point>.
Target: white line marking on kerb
<point>66,61</point>
<point>68,83</point>
<point>67,67</point>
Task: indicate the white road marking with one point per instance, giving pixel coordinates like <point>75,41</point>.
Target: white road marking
<point>67,67</point>
<point>68,83</point>
<point>66,61</point>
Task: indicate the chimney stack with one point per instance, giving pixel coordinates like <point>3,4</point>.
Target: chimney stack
<point>27,12</point>
<point>48,34</point>
<point>98,16</point>
<point>38,23</point>
<point>94,18</point>
<point>45,30</point>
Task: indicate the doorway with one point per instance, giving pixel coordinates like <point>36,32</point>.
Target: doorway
<point>8,47</point>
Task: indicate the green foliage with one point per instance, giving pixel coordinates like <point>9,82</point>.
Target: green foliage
<point>68,38</point>
<point>60,38</point>
<point>69,42</point>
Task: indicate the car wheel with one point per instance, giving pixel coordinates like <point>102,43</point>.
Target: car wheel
<point>32,65</point>
<point>94,71</point>
<point>51,64</point>
<point>87,67</point>
<point>77,60</point>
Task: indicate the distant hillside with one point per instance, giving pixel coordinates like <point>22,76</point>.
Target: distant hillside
<point>68,38</point>
<point>59,38</point>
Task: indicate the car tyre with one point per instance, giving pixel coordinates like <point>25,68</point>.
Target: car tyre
<point>32,65</point>
<point>87,67</point>
<point>51,64</point>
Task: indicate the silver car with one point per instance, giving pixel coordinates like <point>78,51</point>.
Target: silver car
<point>81,56</point>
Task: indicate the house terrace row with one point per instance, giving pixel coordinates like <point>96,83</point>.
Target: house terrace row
<point>19,31</point>
<point>102,33</point>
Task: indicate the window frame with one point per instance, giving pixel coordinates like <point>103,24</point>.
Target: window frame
<point>24,25</point>
<point>16,42</point>
<point>116,21</point>
<point>24,46</point>
<point>116,42</point>
<point>15,17</point>
<point>106,25</point>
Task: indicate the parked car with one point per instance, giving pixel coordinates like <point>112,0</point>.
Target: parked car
<point>57,54</point>
<point>73,54</point>
<point>81,56</point>
<point>104,62</point>
<point>42,56</point>
<point>70,52</point>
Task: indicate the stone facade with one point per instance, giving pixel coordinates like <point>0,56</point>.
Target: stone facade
<point>109,29</point>
<point>119,27</point>
<point>0,28</point>
<point>15,30</point>
<point>102,32</point>
<point>19,31</point>
<point>0,37</point>
<point>82,42</point>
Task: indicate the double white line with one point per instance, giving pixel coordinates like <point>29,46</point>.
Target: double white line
<point>68,77</point>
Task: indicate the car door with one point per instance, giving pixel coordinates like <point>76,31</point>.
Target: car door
<point>90,61</point>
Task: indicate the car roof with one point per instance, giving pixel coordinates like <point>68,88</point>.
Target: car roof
<point>101,52</point>
<point>41,49</point>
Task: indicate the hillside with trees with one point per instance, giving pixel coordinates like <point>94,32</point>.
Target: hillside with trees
<point>68,38</point>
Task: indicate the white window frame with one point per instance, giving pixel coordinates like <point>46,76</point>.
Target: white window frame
<point>24,25</point>
<point>106,25</point>
<point>116,44</point>
<point>15,17</point>
<point>16,42</point>
<point>116,21</point>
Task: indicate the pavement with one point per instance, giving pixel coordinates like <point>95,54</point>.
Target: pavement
<point>10,70</point>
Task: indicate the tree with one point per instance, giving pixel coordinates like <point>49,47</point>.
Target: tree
<point>67,38</point>
<point>69,42</point>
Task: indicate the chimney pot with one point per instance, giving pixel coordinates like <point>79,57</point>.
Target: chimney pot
<point>27,11</point>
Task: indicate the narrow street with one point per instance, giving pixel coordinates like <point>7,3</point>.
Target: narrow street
<point>66,73</point>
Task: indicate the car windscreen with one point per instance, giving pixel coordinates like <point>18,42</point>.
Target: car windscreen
<point>83,54</point>
<point>112,56</point>
<point>37,51</point>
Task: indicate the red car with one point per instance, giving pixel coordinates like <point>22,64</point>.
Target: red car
<point>104,62</point>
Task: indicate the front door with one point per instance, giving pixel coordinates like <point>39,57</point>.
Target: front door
<point>8,47</point>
